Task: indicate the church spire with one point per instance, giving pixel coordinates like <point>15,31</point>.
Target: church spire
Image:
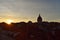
<point>39,19</point>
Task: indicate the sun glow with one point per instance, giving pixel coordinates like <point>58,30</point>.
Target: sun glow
<point>9,21</point>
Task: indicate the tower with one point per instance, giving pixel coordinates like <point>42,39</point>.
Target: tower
<point>39,19</point>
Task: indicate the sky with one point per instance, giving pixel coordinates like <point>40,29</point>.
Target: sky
<point>28,10</point>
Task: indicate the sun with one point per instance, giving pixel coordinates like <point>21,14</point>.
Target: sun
<point>9,21</point>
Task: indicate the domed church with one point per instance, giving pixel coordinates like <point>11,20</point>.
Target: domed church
<point>39,19</point>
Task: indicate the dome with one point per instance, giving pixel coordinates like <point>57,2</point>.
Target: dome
<point>39,19</point>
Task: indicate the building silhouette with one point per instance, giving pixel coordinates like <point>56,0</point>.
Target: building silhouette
<point>39,19</point>
<point>39,30</point>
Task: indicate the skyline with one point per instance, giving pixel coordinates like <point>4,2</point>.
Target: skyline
<point>29,10</point>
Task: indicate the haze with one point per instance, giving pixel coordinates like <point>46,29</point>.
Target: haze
<point>25,10</point>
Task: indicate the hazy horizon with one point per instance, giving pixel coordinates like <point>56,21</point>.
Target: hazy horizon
<point>29,10</point>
